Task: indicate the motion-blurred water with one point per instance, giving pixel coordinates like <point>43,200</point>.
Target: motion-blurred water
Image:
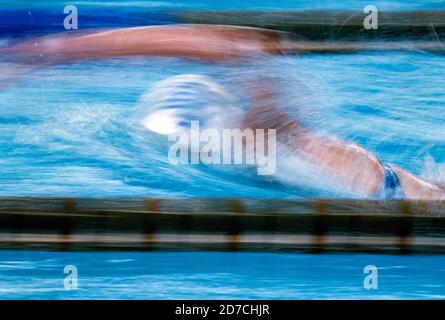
<point>75,130</point>
<point>209,275</point>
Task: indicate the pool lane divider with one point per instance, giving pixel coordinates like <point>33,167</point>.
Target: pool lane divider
<point>405,227</point>
<point>149,228</point>
<point>319,225</point>
<point>329,24</point>
<point>235,227</point>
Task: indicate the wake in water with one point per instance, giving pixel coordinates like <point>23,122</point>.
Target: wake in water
<point>174,102</point>
<point>348,165</point>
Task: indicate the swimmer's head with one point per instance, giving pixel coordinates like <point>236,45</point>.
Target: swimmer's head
<point>176,101</point>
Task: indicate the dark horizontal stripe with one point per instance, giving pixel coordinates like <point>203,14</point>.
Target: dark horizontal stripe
<point>222,224</point>
<point>310,25</point>
<point>330,24</point>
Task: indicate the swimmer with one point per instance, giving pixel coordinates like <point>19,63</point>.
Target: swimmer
<point>354,167</point>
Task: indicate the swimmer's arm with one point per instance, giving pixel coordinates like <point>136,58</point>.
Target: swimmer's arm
<point>211,43</point>
<point>208,42</point>
<point>353,166</point>
<point>216,43</point>
<point>349,164</point>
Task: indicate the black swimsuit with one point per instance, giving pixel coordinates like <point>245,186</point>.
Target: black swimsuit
<point>390,188</point>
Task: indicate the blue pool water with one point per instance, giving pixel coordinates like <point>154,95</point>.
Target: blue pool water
<point>74,130</point>
<point>209,275</point>
<point>235,4</point>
